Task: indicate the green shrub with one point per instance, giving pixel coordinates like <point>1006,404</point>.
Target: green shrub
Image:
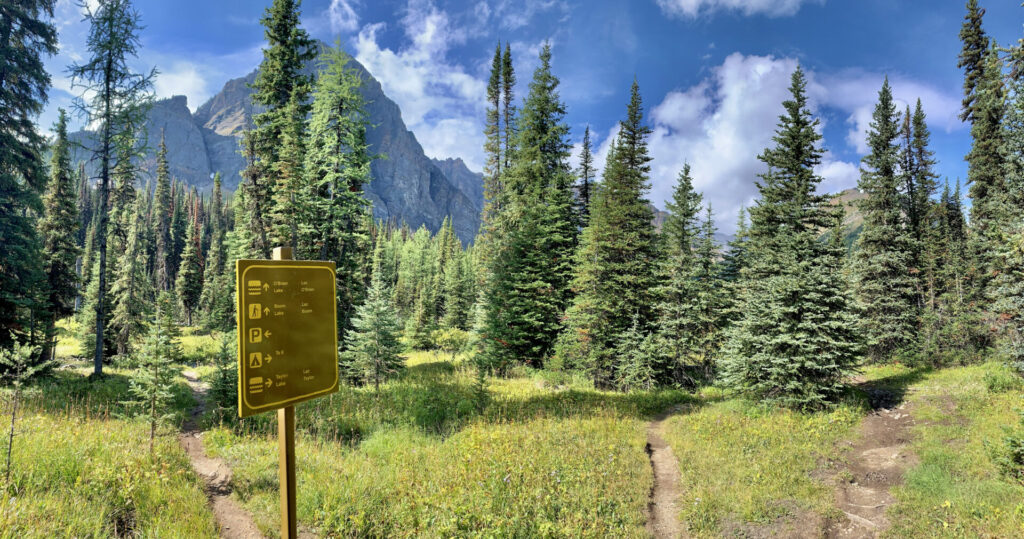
<point>1009,455</point>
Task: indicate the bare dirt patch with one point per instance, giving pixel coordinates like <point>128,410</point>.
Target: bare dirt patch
<point>662,509</point>
<point>234,521</point>
<point>877,461</point>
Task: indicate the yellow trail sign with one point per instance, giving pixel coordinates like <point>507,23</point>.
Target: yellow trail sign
<point>287,333</point>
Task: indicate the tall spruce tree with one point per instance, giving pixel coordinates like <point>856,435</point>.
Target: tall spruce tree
<point>508,112</point>
<point>26,35</point>
<point>796,343</point>
<point>614,274</point>
<point>985,177</point>
<point>372,347</point>
<point>919,188</point>
<point>972,57</point>
<point>131,292</point>
<point>162,219</point>
<point>676,306</point>
<point>337,168</point>
<point>279,81</point>
<point>710,300</point>
<point>189,285</point>
<point>492,144</point>
<point>585,191</point>
<point>113,96</point>
<point>58,229</point>
<point>886,286</point>
<point>1007,290</point>
<point>530,266</point>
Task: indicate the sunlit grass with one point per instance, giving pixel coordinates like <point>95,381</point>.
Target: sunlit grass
<point>80,470</point>
<point>419,458</point>
<point>956,490</point>
<point>742,463</point>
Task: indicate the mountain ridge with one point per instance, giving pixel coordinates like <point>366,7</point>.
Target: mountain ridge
<point>406,185</point>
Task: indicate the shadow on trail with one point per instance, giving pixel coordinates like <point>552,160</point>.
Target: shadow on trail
<point>890,391</point>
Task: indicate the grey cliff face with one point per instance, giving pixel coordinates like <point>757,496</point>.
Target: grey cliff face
<point>407,185</point>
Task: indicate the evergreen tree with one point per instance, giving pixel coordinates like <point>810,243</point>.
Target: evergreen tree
<point>531,259</point>
<point>151,396</point>
<point>291,200</point>
<point>985,176</point>
<point>117,96</point>
<point>492,145</point>
<point>372,348</point>
<point>420,324</point>
<point>189,285</point>
<point>216,299</point>
<point>586,185</point>
<point>614,274</point>
<point>58,229</point>
<point>709,315</point>
<point>279,81</point>
<point>885,284</point>
<point>84,205</point>
<point>972,57</point>
<point>676,306</point>
<point>131,291</point>
<point>179,230</point>
<point>635,359</point>
<point>918,189</point>
<point>164,211</point>
<point>796,342</point>
<point>508,113</point>
<point>26,34</point>
<point>1008,286</point>
<point>338,168</point>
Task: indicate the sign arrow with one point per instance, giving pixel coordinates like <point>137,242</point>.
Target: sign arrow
<point>268,359</point>
<point>266,333</point>
<point>270,383</point>
<point>266,287</point>
<point>266,311</point>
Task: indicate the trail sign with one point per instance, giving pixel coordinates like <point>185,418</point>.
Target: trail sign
<point>287,333</point>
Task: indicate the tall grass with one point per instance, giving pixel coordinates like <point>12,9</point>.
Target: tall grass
<point>543,459</point>
<point>81,471</point>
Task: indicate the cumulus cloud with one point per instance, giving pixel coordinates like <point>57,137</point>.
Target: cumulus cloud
<point>721,124</point>
<point>342,16</point>
<point>693,8</point>
<point>182,78</point>
<point>855,92</point>
<point>441,102</point>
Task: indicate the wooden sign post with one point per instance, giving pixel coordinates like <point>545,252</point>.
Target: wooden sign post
<point>287,349</point>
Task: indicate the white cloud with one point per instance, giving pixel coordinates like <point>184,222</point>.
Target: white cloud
<point>693,8</point>
<point>515,14</point>
<point>440,101</point>
<point>855,92</point>
<point>342,16</point>
<point>182,78</point>
<point>721,124</point>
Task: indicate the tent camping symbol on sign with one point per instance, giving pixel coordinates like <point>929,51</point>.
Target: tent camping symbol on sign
<point>255,360</point>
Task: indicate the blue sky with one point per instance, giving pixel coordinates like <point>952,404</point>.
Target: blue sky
<point>712,73</point>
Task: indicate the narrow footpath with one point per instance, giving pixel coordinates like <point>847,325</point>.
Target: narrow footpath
<point>662,509</point>
<point>234,521</point>
<point>876,464</point>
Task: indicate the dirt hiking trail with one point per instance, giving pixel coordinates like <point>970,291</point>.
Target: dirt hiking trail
<point>234,521</point>
<point>662,509</point>
<point>877,460</point>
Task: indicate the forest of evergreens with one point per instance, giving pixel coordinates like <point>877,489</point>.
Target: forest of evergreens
<point>567,272</point>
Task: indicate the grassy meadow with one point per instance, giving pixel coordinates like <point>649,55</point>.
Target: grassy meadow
<point>545,456</point>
